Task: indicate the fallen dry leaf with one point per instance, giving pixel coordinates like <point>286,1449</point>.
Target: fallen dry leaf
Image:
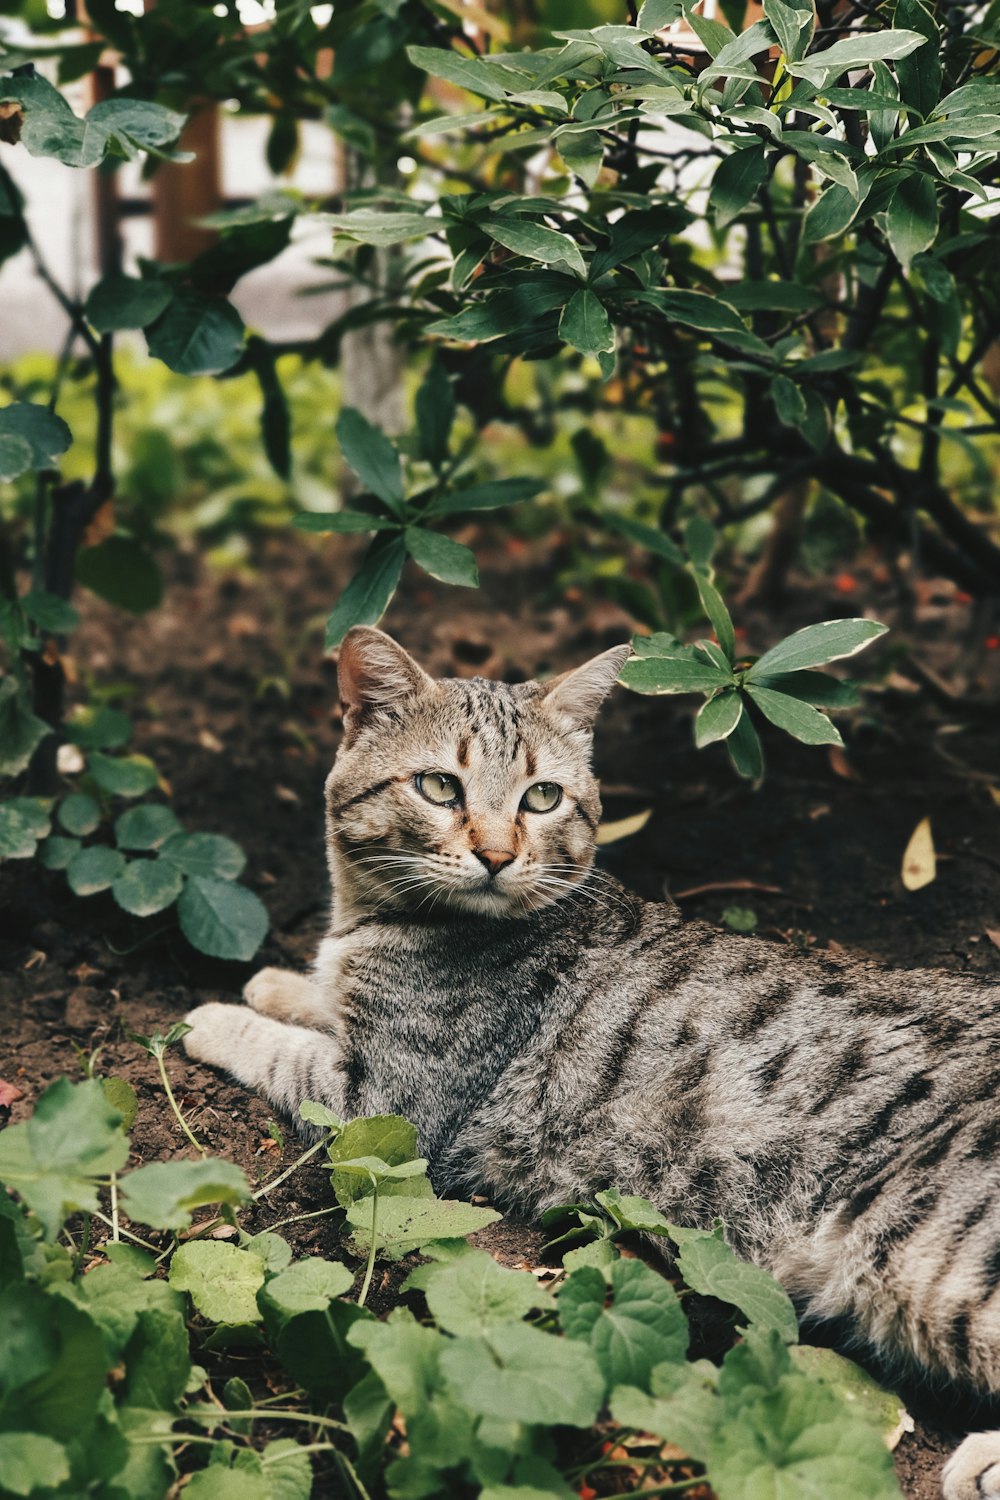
<point>209,741</point>
<point>102,526</point>
<point>11,120</point>
<point>993,933</point>
<point>920,859</point>
<point>9,1094</point>
<point>994,792</point>
<point>623,828</point>
<point>840,765</point>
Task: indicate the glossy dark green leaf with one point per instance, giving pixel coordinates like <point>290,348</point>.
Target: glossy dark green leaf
<point>435,409</point>
<point>736,181</point>
<point>442,558</point>
<point>147,886</point>
<point>793,715</point>
<point>197,334</point>
<point>490,495</point>
<point>585,324</point>
<point>21,730</point>
<point>717,718</point>
<point>372,456</point>
<point>204,854</point>
<point>912,217</point>
<point>118,302</point>
<point>221,918</point>
<point>366,597</point>
<point>121,571</point>
<point>744,749</point>
<point>815,645</point>
<point>94,869</point>
<point>919,72</point>
<point>25,424</point>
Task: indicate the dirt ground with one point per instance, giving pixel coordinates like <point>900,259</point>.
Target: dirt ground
<point>815,854</point>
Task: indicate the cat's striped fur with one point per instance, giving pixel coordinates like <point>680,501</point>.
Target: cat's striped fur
<point>550,1034</point>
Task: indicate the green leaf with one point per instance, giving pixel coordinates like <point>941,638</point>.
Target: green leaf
<point>346,522</point>
<point>832,640</point>
<point>404,1223</point>
<point>53,1160</point>
<point>799,719</point>
<point>488,496</point>
<point>736,181</point>
<point>817,688</point>
<point>912,217</point>
<point>711,1268</point>
<point>21,731</point>
<point>45,434</point>
<point>744,749</point>
<point>435,408</point>
<point>369,226</point>
<point>31,1461</point>
<point>122,775</point>
<point>147,886</point>
<point>655,674</point>
<point>718,614</point>
<point>222,919</point>
<point>855,52</point>
<point>318,1114</point>
<point>122,1096</point>
<point>223,1281</point>
<point>15,456</point>
<point>307,1286</point>
<point>644,1326</point>
<point>649,537</point>
<point>197,334</point>
<point>696,310</point>
<point>535,242</point>
<point>99,728</point>
<point>57,852</point>
<point>789,402</point>
<point>473,1293</point>
<point>792,27</point>
<point>95,869</point>
<point>585,324</point>
<point>49,612</point>
<point>685,1409</point>
<point>655,14</point>
<point>209,854</point>
<point>148,827</point>
<point>517,1374</point>
<point>919,73</point>
<point>366,597</point>
<point>442,558</point>
<point>79,813</point>
<point>164,1194</point>
<point>852,1385</point>
<point>118,302</point>
<point>372,456</point>
<point>490,80</point>
<point>832,213</point>
<point>390,1138</point>
<point>717,718</point>
<point>404,1356</point>
<point>122,572</point>
<point>18,836</point>
<point>53,1364</point>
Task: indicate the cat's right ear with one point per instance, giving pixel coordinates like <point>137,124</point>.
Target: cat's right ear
<point>373,671</point>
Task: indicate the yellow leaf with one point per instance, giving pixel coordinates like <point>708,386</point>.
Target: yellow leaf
<point>994,792</point>
<point>623,828</point>
<point>920,860</point>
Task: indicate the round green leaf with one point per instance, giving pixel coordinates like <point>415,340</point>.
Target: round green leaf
<point>16,456</point>
<point>308,1286</point>
<point>147,886</point>
<point>30,1461</point>
<point>145,827</point>
<point>518,1374</point>
<point>222,1280</point>
<point>197,334</point>
<point>205,854</point>
<point>57,852</point>
<point>46,435</point>
<point>122,572</point>
<point>221,919</point>
<point>126,302</point>
<point>93,870</point>
<point>124,775</point>
<point>79,814</point>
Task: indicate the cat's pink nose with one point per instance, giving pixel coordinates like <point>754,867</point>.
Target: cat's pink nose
<point>494,859</point>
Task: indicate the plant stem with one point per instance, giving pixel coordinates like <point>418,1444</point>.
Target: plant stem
<point>176,1108</point>
<point>318,1213</point>
<point>277,1458</point>
<point>219,1416</point>
<point>348,1469</point>
<point>276,1181</point>
<point>369,1268</point>
<point>115,1227</point>
<point>125,1233</point>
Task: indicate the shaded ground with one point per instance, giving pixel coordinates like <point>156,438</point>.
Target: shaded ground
<point>238,709</point>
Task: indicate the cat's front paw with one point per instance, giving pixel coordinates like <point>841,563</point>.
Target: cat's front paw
<point>211,1035</point>
<point>285,996</point>
<point>973,1471</point>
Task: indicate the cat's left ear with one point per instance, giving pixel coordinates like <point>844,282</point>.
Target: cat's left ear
<point>374,671</point>
<point>578,695</point>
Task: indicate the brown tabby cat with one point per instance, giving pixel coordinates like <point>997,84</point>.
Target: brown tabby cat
<point>550,1034</point>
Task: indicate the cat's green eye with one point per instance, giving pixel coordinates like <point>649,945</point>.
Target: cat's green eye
<point>542,797</point>
<point>442,790</point>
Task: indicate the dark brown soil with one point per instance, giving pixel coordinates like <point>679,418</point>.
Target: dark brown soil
<point>236,705</point>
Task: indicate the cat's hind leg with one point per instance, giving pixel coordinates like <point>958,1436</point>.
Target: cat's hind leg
<point>284,1063</point>
<point>286,996</point>
<point>973,1471</point>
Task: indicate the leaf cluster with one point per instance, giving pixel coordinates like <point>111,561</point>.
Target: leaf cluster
<point>499,1379</point>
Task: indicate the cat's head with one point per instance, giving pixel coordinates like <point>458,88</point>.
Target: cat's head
<point>463,795</point>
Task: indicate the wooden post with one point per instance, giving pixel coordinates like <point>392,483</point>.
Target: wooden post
<point>184,192</point>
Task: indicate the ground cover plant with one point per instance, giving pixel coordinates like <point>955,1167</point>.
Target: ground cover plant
<point>489,1382</point>
<point>687,322</point>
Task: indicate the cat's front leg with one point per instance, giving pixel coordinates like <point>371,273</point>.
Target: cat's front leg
<point>284,1063</point>
<point>287,996</point>
<point>973,1471</point>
